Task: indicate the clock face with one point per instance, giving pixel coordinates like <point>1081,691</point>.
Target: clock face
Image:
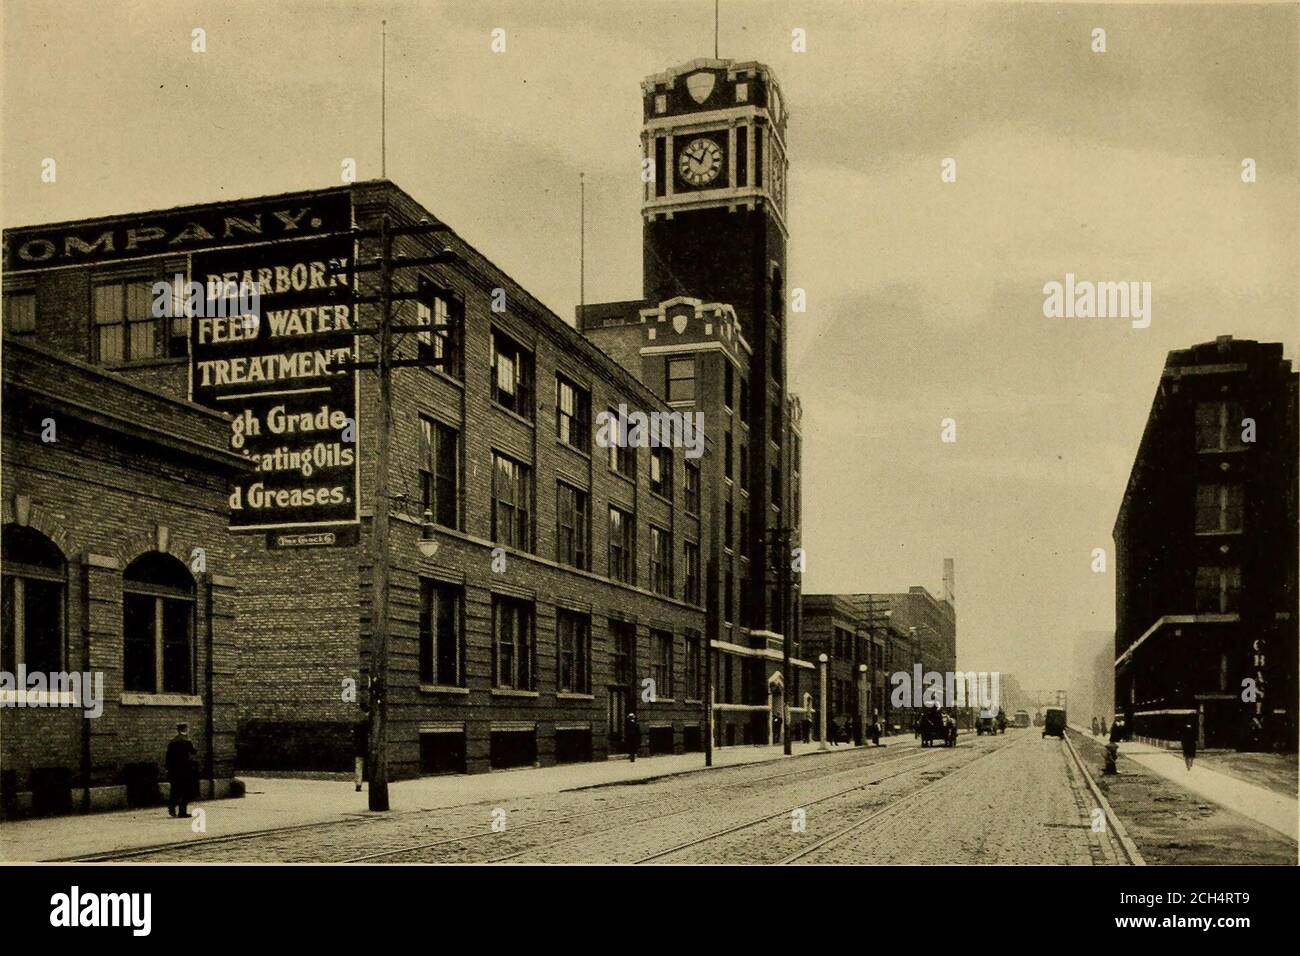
<point>700,162</point>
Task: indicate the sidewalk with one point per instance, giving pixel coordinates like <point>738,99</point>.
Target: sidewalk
<point>1277,811</point>
<point>272,803</point>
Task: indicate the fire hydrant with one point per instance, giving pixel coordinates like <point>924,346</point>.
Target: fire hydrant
<point>1112,751</point>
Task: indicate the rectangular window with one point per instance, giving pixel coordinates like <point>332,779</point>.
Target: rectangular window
<point>573,652</point>
<point>693,674</point>
<point>1218,508</point>
<point>691,569</point>
<point>728,594</point>
<point>512,625</point>
<point>661,663</point>
<point>692,488</point>
<point>441,346</point>
<point>742,517</point>
<point>512,375</point>
<point>20,312</point>
<point>572,520</point>
<point>1218,590</point>
<point>622,458</point>
<point>512,491</point>
<point>157,644</point>
<point>744,466</point>
<point>758,156</point>
<point>125,327</point>
<point>728,384</point>
<point>681,380</point>
<point>33,624</point>
<point>661,166</point>
<point>742,155</point>
<point>622,542</point>
<point>728,522</point>
<point>726,455</point>
<point>439,465</point>
<point>1218,426</point>
<point>442,646</point>
<point>572,414</point>
<point>661,471</point>
<point>776,486</point>
<point>624,636</point>
<point>661,561</point>
<point>776,422</point>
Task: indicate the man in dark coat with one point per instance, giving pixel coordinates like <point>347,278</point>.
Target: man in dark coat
<point>1189,741</point>
<point>181,763</point>
<point>360,749</point>
<point>632,735</point>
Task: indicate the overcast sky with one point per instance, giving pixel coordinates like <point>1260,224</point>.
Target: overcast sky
<point>925,298</point>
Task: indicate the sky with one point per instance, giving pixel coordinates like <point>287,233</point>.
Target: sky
<point>925,297</point>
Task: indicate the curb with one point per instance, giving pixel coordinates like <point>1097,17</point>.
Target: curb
<point>1126,842</point>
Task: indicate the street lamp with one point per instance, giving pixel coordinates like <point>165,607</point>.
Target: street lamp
<point>821,722</point>
<point>862,702</point>
<point>427,544</point>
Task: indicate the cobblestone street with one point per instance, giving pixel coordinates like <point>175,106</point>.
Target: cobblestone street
<point>1014,798</point>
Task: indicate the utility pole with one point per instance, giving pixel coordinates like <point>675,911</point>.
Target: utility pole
<point>379,615</point>
<point>383,365</point>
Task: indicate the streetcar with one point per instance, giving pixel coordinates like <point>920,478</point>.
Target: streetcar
<point>1021,719</point>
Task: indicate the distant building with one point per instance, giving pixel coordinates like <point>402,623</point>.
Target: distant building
<point>1090,691</point>
<point>1206,552</point>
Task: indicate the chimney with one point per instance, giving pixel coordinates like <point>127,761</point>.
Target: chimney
<point>948,594</point>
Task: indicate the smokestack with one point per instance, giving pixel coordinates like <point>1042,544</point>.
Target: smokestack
<point>948,593</point>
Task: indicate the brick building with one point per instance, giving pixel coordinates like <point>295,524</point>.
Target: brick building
<point>566,576</point>
<point>1206,552</point>
<point>709,334</point>
<point>116,567</point>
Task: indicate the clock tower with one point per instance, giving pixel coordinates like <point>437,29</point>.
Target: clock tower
<point>714,229</point>
<point>714,209</point>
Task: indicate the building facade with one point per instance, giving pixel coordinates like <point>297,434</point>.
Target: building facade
<point>709,336</point>
<point>565,589</point>
<point>1206,552</point>
<point>118,587</point>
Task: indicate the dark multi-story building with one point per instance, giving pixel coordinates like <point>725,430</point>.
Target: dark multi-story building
<point>119,578</point>
<point>1206,552</point>
<point>710,334</point>
<point>565,588</point>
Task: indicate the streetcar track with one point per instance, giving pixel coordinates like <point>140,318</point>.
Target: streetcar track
<point>361,817</point>
<point>717,834</point>
<point>587,814</point>
<point>547,846</point>
<point>888,808</point>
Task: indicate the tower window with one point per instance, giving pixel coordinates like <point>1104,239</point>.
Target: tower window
<point>742,92</point>
<point>661,164</point>
<point>758,156</point>
<point>661,103</point>
<point>681,380</point>
<point>742,155</point>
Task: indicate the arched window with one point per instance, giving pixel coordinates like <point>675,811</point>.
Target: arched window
<point>157,626</point>
<point>35,576</point>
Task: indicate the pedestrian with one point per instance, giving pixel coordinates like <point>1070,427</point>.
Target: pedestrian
<point>833,732</point>
<point>776,729</point>
<point>181,763</point>
<point>1094,726</point>
<point>360,749</point>
<point>631,735</point>
<point>875,728</point>
<point>1189,741</point>
<point>807,730</point>
<point>1101,725</point>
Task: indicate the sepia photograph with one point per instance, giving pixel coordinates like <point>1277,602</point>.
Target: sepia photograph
<point>572,434</point>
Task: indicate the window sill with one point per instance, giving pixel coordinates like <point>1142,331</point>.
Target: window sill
<point>442,689</point>
<point>511,692</point>
<point>693,700</point>
<point>513,414</point>
<point>144,363</point>
<point>1218,534</point>
<point>137,699</point>
<point>573,695</point>
<point>446,377</point>
<point>573,448</point>
<point>663,700</point>
<point>662,497</point>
